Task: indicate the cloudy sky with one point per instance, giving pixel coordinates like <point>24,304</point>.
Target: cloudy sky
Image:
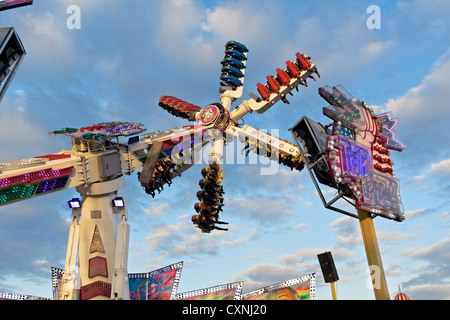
<point>125,56</point>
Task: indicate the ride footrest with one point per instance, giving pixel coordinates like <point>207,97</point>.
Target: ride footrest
<point>162,174</point>
<point>283,78</point>
<point>281,157</point>
<point>233,64</point>
<point>211,201</point>
<point>178,107</point>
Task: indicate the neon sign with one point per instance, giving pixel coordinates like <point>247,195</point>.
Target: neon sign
<point>358,155</point>
<point>343,107</point>
<point>381,194</point>
<point>387,126</point>
<point>355,158</point>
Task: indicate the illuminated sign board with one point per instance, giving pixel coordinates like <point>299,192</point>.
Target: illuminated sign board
<point>381,194</point>
<point>356,158</point>
<point>302,288</point>
<point>387,126</point>
<point>10,4</point>
<point>358,155</point>
<point>230,291</point>
<point>159,284</point>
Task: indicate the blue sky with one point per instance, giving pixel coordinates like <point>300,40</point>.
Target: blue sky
<point>125,57</point>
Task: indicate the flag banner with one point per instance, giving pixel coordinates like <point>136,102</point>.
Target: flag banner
<point>13,296</point>
<point>302,288</point>
<point>230,291</point>
<point>160,284</point>
<point>57,275</point>
<point>137,285</point>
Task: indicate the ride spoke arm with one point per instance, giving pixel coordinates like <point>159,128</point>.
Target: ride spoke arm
<point>278,87</point>
<point>164,156</point>
<point>270,146</point>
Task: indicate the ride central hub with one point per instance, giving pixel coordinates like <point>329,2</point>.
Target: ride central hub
<point>215,116</point>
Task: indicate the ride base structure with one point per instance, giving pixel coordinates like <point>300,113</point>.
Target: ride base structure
<point>353,157</point>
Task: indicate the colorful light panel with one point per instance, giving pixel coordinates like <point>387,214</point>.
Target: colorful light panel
<point>230,291</point>
<point>51,185</point>
<point>103,130</point>
<point>22,191</point>
<point>98,267</point>
<point>98,288</point>
<point>159,284</point>
<point>35,176</point>
<point>302,288</point>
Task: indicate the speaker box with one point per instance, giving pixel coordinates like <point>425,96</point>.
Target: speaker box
<point>313,137</point>
<point>328,269</point>
<point>11,55</point>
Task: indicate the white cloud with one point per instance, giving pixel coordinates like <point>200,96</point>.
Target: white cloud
<point>374,49</point>
<point>299,227</point>
<point>342,221</point>
<point>48,38</point>
<point>182,239</point>
<point>180,37</point>
<point>426,102</point>
<point>416,213</point>
<point>436,254</point>
<point>259,208</point>
<point>347,231</point>
<point>83,4</point>
<point>391,240</point>
<point>441,168</point>
<point>266,274</point>
<point>418,178</point>
<point>429,292</point>
<point>156,210</point>
<point>235,22</point>
<point>352,240</point>
<point>328,193</point>
<point>21,136</point>
<point>164,234</point>
<point>254,233</point>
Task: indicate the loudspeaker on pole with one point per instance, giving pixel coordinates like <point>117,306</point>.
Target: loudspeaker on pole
<point>328,268</point>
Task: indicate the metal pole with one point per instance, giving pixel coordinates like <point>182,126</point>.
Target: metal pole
<point>333,290</point>
<point>373,256</point>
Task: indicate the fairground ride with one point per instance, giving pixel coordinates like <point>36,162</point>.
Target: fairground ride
<point>97,250</point>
